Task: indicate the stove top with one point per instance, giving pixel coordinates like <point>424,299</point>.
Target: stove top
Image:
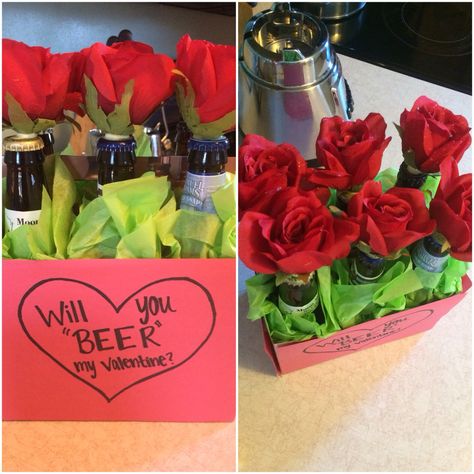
<point>430,41</point>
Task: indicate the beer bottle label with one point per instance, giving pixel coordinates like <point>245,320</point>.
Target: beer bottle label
<point>198,190</point>
<point>423,259</point>
<point>358,278</point>
<point>286,308</point>
<point>14,219</point>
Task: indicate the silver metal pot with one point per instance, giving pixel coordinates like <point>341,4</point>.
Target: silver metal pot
<point>289,78</point>
<point>330,10</point>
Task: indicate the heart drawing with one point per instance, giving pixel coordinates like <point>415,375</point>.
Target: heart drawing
<point>112,347</point>
<point>351,340</point>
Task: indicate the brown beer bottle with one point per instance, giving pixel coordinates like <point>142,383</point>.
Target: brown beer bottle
<point>408,177</point>
<point>116,160</point>
<point>299,294</point>
<point>48,140</point>
<point>365,267</point>
<point>24,162</point>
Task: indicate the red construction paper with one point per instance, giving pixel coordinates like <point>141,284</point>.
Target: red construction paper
<point>288,357</point>
<point>119,340</point>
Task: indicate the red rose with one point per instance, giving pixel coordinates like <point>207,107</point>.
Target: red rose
<point>37,79</point>
<point>265,168</point>
<point>350,152</point>
<point>211,70</point>
<point>257,155</point>
<point>433,134</point>
<point>296,233</point>
<point>390,221</point>
<point>322,192</point>
<point>452,209</point>
<point>255,195</point>
<point>111,68</point>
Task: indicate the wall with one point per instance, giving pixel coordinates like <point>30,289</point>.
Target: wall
<point>73,26</point>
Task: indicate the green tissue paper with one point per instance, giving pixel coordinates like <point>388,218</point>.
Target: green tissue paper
<point>137,218</point>
<point>345,305</point>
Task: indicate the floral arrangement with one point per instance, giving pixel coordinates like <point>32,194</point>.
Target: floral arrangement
<point>308,232</point>
<point>119,87</point>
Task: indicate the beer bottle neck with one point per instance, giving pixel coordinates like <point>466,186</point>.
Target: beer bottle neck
<point>409,178</point>
<point>429,254</point>
<point>366,268</point>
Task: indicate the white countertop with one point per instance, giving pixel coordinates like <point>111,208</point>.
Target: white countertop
<point>402,406</point>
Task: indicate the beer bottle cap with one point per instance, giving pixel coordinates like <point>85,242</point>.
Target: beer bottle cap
<point>23,143</point>
<point>124,145</point>
<point>218,144</point>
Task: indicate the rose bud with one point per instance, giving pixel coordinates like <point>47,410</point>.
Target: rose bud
<point>390,221</point>
<point>294,234</point>
<point>111,68</point>
<point>210,68</point>
<point>452,209</point>
<point>38,80</point>
<point>350,152</point>
<point>433,134</point>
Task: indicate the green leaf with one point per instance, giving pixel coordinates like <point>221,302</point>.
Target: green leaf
<point>96,114</point>
<point>216,128</point>
<point>363,247</point>
<point>119,120</point>
<point>399,129</point>
<point>409,158</point>
<point>43,124</point>
<point>185,98</point>
<point>18,117</point>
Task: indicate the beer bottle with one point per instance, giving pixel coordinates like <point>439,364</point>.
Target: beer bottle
<point>24,162</point>
<point>343,198</point>
<point>365,267</point>
<point>206,173</point>
<point>116,159</point>
<point>428,253</point>
<point>408,177</point>
<point>299,295</point>
<point>48,141</point>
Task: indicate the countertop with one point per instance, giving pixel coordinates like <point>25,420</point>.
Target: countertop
<point>402,406</point>
<point>118,447</point>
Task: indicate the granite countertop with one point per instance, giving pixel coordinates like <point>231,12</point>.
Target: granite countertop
<point>403,406</point>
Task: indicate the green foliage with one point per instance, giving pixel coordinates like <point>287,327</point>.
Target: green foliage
<point>117,122</point>
<point>186,97</point>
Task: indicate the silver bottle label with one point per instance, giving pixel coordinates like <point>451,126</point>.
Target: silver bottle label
<point>423,259</point>
<point>198,190</point>
<point>14,219</point>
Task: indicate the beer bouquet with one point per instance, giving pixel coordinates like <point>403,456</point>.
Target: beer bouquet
<point>342,243</point>
<point>48,215</point>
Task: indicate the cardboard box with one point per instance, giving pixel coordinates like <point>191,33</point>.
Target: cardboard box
<point>143,340</point>
<point>291,356</point>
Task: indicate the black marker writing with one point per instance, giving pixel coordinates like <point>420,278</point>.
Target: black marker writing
<point>106,339</point>
<point>70,311</point>
<point>87,366</point>
<point>153,305</point>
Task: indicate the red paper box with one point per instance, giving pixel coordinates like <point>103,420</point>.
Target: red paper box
<point>144,340</point>
<point>291,356</point>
